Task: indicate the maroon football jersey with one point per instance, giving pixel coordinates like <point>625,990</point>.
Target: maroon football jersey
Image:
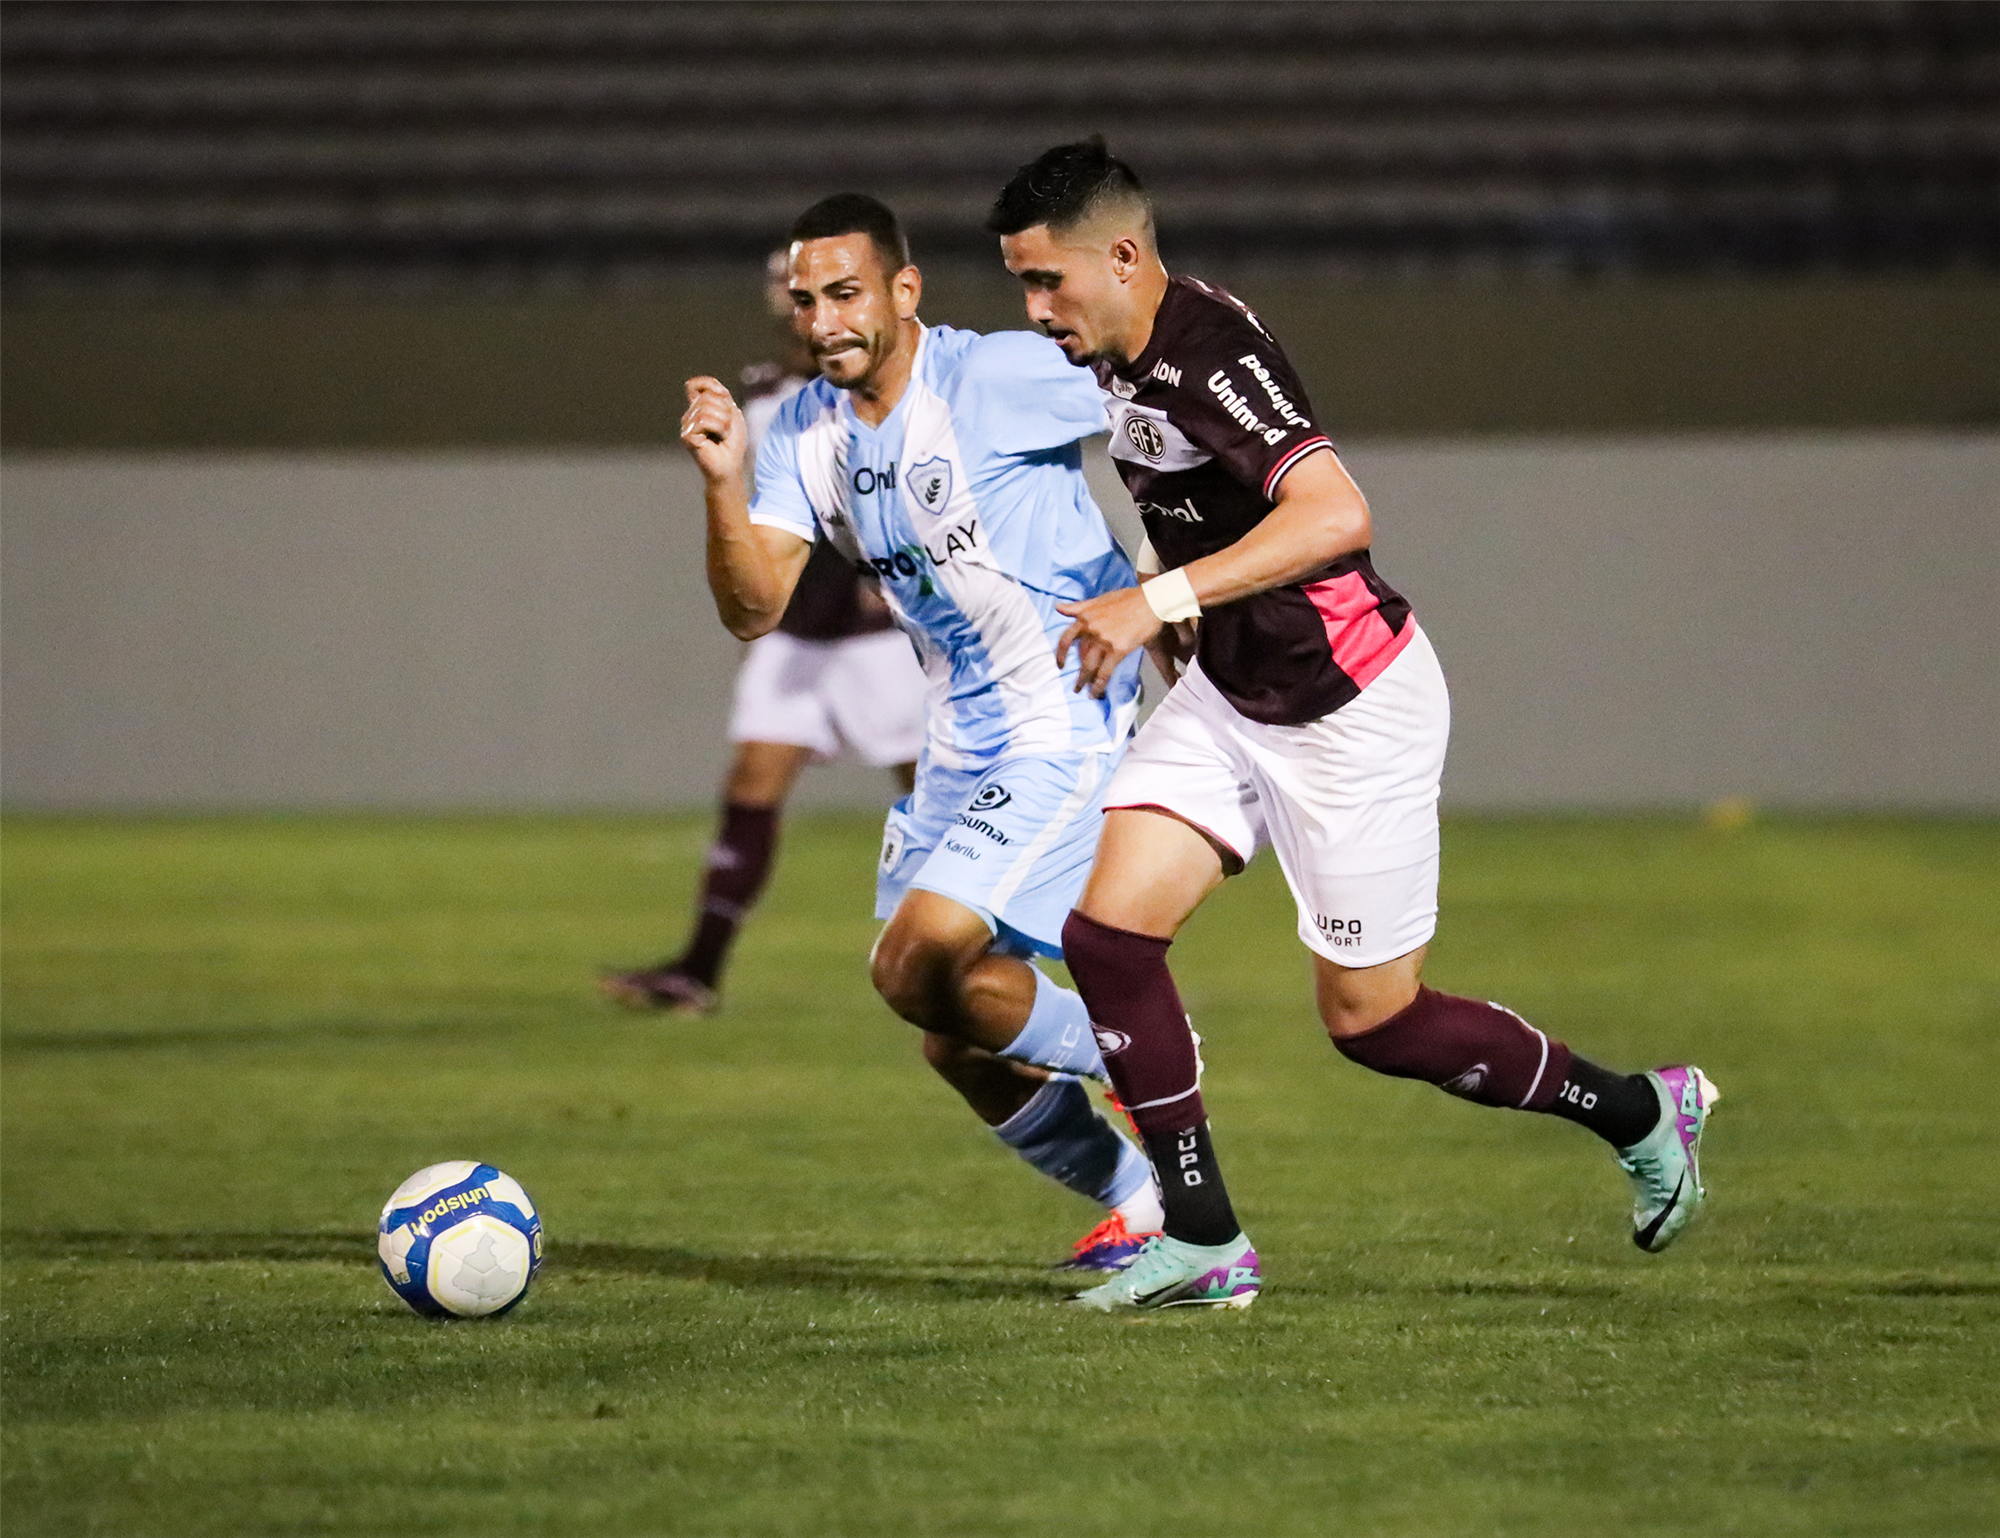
<point>1204,425</point>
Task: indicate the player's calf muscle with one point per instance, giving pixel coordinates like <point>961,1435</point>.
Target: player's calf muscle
<point>994,1087</point>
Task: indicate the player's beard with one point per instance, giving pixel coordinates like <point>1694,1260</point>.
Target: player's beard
<point>867,354</point>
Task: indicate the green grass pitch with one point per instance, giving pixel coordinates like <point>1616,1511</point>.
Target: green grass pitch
<point>793,1288</point>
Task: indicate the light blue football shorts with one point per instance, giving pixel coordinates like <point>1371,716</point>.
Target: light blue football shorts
<point>1012,841</point>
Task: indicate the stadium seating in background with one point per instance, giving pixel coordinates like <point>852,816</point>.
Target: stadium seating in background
<point>392,143</point>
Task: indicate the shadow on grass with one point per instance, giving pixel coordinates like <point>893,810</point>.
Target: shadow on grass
<point>1932,1287</point>
<point>1546,1288</point>
<point>969,1277</point>
<point>105,1244</point>
<point>965,1277</point>
<point>307,1032</point>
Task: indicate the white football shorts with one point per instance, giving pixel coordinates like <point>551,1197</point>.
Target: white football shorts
<point>1349,802</point>
<point>864,695</point>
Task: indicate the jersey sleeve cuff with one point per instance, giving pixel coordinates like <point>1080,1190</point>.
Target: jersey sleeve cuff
<point>1283,467</point>
<point>790,525</point>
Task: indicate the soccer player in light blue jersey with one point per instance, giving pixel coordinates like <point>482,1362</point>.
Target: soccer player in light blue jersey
<point>949,465</point>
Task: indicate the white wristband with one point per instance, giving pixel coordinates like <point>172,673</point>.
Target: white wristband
<point>1171,596</point>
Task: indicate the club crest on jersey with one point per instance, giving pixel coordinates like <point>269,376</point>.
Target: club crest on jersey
<point>1146,438</point>
<point>930,483</point>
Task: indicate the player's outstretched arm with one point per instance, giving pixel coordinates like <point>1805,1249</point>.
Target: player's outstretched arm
<point>1320,516</point>
<point>752,568</point>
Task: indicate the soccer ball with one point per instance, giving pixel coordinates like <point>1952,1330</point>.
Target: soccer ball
<point>460,1238</point>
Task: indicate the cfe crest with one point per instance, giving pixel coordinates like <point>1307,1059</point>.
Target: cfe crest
<point>929,482</point>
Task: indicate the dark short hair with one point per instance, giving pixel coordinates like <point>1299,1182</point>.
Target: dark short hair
<point>856,213</point>
<point>1060,186</point>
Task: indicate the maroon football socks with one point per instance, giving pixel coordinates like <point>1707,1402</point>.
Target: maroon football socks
<point>1479,1052</point>
<point>1488,1054</point>
<point>738,862</point>
<point>1149,1053</point>
<point>1142,1029</point>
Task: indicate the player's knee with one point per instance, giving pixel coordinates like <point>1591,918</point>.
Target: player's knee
<point>916,978</point>
<point>761,774</point>
<point>1353,1003</point>
<point>888,971</point>
<point>1344,1018</point>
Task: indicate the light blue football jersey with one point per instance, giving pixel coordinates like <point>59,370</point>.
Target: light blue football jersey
<point>970,505</point>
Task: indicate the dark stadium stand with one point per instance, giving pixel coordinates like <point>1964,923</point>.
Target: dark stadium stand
<point>388,143</point>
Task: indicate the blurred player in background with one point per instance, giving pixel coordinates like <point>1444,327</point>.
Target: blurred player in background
<point>949,465</point>
<point>834,675</point>
<point>1312,716</point>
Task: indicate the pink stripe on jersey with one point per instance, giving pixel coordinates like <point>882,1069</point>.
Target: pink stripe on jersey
<point>1362,642</point>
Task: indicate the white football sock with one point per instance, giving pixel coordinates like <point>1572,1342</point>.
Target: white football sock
<point>1142,1211</point>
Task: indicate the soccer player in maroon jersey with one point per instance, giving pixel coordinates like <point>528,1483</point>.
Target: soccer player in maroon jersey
<point>835,675</point>
<point>1309,713</point>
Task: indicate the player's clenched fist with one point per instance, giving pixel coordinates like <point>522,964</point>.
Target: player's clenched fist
<point>713,429</point>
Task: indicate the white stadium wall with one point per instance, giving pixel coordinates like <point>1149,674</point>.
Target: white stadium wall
<point>1805,621</point>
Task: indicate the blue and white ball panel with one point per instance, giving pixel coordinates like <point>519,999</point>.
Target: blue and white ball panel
<point>460,1238</point>
<point>1013,841</point>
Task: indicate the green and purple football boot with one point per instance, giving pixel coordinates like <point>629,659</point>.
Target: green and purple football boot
<point>1665,1164</point>
<point>1168,1273</point>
